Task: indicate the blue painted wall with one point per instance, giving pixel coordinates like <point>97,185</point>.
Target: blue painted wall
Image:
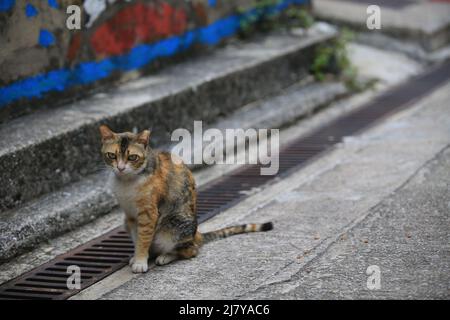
<point>139,56</point>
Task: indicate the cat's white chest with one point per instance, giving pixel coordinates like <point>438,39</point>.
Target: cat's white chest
<point>126,192</point>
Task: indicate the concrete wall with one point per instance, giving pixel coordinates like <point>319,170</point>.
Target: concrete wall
<point>42,62</point>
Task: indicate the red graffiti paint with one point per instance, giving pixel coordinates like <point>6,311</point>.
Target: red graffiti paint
<point>137,23</point>
<point>201,13</point>
<point>74,47</point>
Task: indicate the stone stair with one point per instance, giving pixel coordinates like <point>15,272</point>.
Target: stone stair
<point>416,27</point>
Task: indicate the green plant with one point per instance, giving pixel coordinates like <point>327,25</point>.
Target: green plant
<point>299,17</point>
<point>332,58</point>
<point>246,23</point>
<point>261,18</point>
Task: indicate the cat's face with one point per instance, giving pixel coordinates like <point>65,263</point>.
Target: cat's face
<point>125,153</point>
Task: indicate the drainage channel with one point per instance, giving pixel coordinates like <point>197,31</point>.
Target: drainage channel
<point>106,254</point>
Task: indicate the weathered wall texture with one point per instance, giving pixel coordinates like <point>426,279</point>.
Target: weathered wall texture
<point>41,59</point>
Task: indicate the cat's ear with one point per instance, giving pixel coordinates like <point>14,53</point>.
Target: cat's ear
<point>106,133</point>
<point>143,137</point>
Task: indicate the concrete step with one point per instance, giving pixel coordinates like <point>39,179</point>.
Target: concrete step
<point>25,227</point>
<point>53,214</point>
<point>420,22</point>
<point>46,151</point>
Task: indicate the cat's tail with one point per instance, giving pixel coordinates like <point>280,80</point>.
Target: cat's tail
<point>231,231</point>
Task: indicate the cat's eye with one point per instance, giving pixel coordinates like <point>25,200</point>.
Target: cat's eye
<point>133,157</point>
<point>111,155</point>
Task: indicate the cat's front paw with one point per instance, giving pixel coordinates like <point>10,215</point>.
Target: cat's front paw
<point>139,266</point>
<point>130,263</point>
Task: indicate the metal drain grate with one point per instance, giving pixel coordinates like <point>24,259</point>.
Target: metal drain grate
<point>96,259</point>
<point>102,256</point>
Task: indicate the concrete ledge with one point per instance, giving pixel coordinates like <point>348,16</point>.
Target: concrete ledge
<point>23,228</point>
<point>424,22</point>
<point>43,152</point>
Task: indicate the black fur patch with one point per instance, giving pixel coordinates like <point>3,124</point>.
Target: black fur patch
<point>184,245</point>
<point>124,144</point>
<point>267,226</point>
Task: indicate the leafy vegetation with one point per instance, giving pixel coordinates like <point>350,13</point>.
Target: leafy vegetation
<point>299,18</point>
<point>332,59</point>
<point>261,18</point>
<point>264,18</point>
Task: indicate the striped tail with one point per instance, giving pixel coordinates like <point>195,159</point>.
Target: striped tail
<point>231,231</point>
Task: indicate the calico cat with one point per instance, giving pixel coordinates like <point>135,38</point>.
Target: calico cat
<point>158,196</point>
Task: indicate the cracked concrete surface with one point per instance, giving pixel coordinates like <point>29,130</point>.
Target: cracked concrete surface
<point>406,236</point>
<point>378,198</point>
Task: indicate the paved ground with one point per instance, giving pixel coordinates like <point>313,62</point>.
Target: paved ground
<point>380,198</point>
<point>406,236</point>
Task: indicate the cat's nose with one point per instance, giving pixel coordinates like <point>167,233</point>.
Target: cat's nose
<point>121,168</point>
